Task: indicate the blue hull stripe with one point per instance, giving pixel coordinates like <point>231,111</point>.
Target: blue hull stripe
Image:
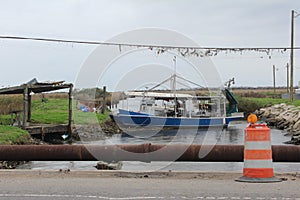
<point>144,120</point>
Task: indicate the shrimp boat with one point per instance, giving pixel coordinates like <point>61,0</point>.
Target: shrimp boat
<point>153,109</point>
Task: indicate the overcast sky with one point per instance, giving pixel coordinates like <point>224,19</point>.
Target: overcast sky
<point>210,23</point>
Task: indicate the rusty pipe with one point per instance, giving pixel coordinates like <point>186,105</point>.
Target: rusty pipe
<point>140,152</point>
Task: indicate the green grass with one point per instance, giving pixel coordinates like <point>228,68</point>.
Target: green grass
<point>250,104</point>
<point>5,119</point>
<point>263,102</point>
<point>89,118</point>
<point>13,135</point>
<point>55,111</point>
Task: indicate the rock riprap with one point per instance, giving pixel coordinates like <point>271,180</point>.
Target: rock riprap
<point>284,117</point>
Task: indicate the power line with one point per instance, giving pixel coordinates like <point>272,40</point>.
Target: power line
<point>148,45</point>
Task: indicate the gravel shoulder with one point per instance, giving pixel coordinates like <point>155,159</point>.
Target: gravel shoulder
<point>292,176</point>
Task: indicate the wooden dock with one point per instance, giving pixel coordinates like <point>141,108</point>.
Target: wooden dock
<point>44,129</point>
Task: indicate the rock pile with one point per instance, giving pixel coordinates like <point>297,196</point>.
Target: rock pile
<point>96,132</point>
<point>89,132</point>
<point>284,117</point>
<point>10,164</point>
<point>101,165</point>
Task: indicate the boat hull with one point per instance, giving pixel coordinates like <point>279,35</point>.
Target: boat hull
<point>182,122</point>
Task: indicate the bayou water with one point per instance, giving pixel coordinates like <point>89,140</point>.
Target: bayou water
<point>234,134</point>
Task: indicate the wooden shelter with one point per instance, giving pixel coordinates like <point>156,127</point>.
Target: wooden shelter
<point>35,87</point>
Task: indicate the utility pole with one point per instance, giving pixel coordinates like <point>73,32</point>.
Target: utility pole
<point>287,78</point>
<point>292,59</point>
<point>274,79</point>
<point>103,100</point>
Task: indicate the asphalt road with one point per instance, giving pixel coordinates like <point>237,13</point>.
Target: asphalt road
<point>48,185</point>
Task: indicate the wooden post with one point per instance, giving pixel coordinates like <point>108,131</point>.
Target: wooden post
<point>70,110</point>
<point>287,78</point>
<point>29,106</point>
<point>104,100</point>
<point>25,107</point>
<point>11,118</point>
<point>274,79</point>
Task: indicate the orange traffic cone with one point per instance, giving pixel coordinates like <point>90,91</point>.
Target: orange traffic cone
<point>258,166</point>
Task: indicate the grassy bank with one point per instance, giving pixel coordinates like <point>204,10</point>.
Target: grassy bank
<point>10,135</point>
<point>13,135</point>
<point>89,118</point>
<point>55,111</point>
<point>250,104</point>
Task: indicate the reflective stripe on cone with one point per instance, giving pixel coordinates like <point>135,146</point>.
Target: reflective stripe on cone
<point>258,172</point>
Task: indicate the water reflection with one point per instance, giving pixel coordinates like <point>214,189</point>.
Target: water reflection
<point>234,134</point>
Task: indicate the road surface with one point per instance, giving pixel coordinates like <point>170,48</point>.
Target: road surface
<point>118,185</point>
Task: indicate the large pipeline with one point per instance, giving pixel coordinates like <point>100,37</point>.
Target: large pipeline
<point>141,152</point>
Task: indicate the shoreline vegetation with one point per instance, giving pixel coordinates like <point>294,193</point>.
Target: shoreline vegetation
<point>13,135</point>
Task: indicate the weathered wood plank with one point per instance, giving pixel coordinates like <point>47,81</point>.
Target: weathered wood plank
<point>47,129</point>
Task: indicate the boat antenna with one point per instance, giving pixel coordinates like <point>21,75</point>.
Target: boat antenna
<point>174,87</point>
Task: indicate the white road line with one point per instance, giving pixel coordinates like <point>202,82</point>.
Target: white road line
<point>78,196</point>
<point>137,197</point>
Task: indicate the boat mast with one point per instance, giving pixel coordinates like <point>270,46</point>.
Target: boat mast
<point>174,87</point>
